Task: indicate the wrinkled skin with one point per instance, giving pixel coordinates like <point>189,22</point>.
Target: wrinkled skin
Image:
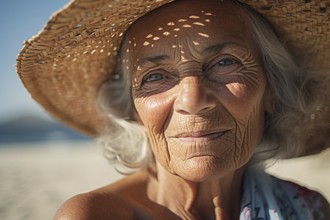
<point>198,87</point>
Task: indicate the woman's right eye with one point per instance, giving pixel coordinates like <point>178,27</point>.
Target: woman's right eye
<point>158,80</point>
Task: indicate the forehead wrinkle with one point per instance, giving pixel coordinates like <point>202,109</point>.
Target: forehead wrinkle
<point>218,48</point>
<point>190,67</point>
<point>156,59</point>
<point>198,45</point>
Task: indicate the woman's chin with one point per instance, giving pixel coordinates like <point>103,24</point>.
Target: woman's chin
<point>201,168</point>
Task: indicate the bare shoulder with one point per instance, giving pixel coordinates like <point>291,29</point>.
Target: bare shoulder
<point>116,201</point>
<point>92,206</point>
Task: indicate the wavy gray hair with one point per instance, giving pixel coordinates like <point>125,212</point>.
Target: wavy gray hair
<point>299,112</point>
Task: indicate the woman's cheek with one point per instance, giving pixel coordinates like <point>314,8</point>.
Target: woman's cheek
<point>153,116</point>
<point>249,131</point>
<point>159,147</point>
<point>247,107</point>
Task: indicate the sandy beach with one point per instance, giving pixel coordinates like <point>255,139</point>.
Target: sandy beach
<point>37,178</point>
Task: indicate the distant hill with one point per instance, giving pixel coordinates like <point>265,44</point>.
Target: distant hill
<point>29,128</point>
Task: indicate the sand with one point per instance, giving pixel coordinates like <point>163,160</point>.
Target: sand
<point>36,178</point>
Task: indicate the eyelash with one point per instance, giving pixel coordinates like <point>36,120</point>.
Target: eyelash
<point>225,58</point>
<point>148,77</point>
<point>228,59</point>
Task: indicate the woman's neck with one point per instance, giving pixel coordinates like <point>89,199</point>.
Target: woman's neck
<point>217,198</point>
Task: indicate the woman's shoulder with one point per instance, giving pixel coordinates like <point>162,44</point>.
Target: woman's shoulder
<point>283,198</point>
<point>93,205</point>
<point>119,200</point>
<point>309,200</point>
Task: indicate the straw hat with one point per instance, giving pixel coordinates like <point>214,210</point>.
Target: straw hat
<point>63,66</point>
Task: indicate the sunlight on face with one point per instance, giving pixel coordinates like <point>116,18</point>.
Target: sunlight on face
<point>198,86</point>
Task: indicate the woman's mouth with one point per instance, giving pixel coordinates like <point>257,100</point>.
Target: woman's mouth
<point>199,136</point>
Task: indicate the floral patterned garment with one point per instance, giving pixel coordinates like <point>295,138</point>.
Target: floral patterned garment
<point>268,198</point>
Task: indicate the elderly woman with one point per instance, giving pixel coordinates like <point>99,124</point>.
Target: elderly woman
<point>197,94</point>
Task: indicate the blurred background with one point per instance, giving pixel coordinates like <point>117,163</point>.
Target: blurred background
<point>43,163</point>
<point>20,20</point>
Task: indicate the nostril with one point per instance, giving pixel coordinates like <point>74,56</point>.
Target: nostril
<point>204,110</point>
<point>195,108</point>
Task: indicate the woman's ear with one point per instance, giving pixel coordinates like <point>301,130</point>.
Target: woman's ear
<point>269,100</point>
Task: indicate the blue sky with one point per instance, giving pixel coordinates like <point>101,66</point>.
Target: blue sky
<point>19,20</point>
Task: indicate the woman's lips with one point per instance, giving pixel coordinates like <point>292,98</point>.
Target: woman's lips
<point>199,136</point>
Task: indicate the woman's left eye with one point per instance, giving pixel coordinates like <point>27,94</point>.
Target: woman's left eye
<point>227,62</point>
<point>224,65</point>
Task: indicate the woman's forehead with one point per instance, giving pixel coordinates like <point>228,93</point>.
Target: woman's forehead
<point>198,21</point>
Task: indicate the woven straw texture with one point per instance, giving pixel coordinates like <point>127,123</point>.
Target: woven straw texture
<point>64,65</point>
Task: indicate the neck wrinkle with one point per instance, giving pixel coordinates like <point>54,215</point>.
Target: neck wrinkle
<point>191,200</point>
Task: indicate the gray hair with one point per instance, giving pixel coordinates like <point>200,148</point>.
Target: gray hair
<point>299,93</point>
<point>300,108</point>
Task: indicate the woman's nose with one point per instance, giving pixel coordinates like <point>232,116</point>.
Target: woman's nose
<point>193,97</point>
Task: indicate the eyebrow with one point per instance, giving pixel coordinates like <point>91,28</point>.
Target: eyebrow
<point>216,48</point>
<point>157,59</point>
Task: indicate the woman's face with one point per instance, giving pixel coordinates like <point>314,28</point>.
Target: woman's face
<point>198,86</point>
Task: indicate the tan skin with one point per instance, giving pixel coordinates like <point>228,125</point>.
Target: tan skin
<point>199,89</point>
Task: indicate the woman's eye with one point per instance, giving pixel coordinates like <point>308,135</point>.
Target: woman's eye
<point>156,81</point>
<point>153,77</point>
<point>221,66</point>
<point>227,62</point>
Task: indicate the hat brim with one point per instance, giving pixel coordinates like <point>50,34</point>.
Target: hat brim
<point>64,65</point>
